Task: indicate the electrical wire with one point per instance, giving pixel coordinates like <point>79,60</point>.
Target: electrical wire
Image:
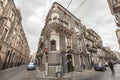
<point>80,6</point>
<point>69,4</point>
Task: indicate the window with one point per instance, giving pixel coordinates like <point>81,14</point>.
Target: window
<point>4,34</point>
<point>12,15</point>
<point>53,45</point>
<point>68,42</point>
<point>8,24</point>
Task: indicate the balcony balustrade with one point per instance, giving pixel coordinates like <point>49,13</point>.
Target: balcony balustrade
<point>60,25</point>
<point>91,48</point>
<point>90,38</point>
<point>69,50</point>
<point>99,45</point>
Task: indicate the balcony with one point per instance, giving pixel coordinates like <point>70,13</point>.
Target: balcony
<point>60,26</point>
<point>90,38</point>
<point>91,48</point>
<point>116,7</point>
<point>69,50</point>
<point>99,45</point>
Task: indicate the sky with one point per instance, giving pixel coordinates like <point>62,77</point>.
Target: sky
<point>94,14</point>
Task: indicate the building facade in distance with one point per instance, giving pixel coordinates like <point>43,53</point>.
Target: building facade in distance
<point>115,10</point>
<point>14,49</point>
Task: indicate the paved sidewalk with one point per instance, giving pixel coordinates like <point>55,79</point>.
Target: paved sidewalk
<point>74,75</point>
<point>78,75</point>
<point>69,76</point>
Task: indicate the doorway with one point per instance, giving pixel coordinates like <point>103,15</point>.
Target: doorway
<point>70,63</point>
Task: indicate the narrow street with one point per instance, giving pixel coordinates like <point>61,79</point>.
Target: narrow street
<point>23,74</point>
<point>99,75</point>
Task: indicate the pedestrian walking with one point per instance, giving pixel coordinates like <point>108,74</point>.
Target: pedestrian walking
<point>111,65</point>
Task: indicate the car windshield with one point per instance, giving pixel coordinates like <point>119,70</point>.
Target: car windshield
<point>31,63</point>
<point>99,64</point>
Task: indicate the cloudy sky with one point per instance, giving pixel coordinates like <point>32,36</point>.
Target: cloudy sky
<point>94,14</point>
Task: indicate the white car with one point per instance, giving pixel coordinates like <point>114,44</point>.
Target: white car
<point>31,66</point>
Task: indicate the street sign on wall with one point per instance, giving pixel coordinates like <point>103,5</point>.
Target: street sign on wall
<point>45,49</point>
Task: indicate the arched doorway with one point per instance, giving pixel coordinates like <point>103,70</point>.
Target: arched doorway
<point>69,63</point>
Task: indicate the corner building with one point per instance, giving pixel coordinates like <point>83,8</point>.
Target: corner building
<point>66,45</point>
<point>14,49</point>
<point>61,43</point>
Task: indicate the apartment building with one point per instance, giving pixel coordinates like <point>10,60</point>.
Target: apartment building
<point>115,10</point>
<point>14,48</point>
<point>66,44</point>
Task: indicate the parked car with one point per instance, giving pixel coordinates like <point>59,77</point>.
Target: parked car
<point>99,67</point>
<point>31,66</point>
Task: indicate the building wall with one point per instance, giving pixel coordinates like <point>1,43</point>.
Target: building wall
<point>115,10</point>
<point>14,46</point>
<point>71,38</point>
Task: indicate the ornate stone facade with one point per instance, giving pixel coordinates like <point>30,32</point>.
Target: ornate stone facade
<point>115,10</point>
<point>14,49</point>
<point>65,44</point>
